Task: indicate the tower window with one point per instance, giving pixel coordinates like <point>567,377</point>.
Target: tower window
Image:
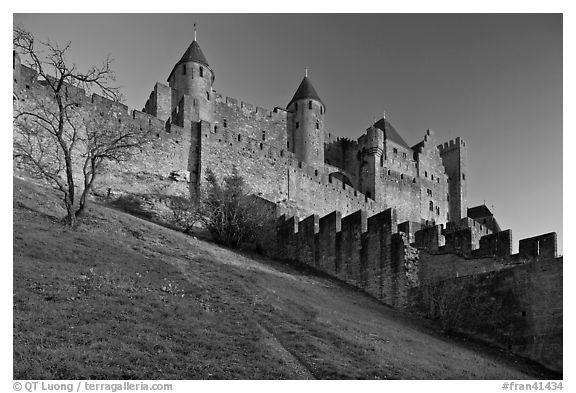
<point>309,104</point>
<point>297,125</point>
<point>184,69</point>
<point>201,72</point>
<point>317,125</point>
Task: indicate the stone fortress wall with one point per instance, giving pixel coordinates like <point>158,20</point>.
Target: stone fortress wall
<point>372,208</point>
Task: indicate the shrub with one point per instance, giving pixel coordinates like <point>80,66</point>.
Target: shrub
<point>232,215</point>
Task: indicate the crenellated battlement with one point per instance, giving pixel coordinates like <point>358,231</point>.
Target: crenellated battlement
<point>235,139</point>
<point>466,238</point>
<point>451,144</point>
<point>277,114</point>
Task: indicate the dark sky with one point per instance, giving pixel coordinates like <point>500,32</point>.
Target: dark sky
<point>493,79</point>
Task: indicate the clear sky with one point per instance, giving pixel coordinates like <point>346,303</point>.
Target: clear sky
<point>493,80</point>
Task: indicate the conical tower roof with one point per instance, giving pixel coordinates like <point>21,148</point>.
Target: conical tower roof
<point>305,90</point>
<point>193,53</point>
<point>390,132</point>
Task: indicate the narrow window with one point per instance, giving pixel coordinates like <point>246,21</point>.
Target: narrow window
<point>239,138</point>
<point>195,102</point>
<point>201,72</point>
<point>184,69</point>
<point>296,107</point>
<point>463,176</point>
<point>431,206</point>
<point>309,104</point>
<point>263,135</point>
<point>402,176</point>
<point>437,211</point>
<point>425,174</point>
<point>288,145</point>
<point>404,155</point>
<point>208,95</point>
<point>225,123</point>
<point>281,153</point>
<point>317,125</point>
<point>297,125</point>
<point>261,146</point>
<point>432,177</point>
<point>395,151</point>
<point>215,129</point>
<point>448,197</point>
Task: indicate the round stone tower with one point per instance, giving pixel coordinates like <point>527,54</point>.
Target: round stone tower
<point>191,81</point>
<point>306,125</point>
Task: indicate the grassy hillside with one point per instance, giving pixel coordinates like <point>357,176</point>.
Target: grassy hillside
<point>124,298</point>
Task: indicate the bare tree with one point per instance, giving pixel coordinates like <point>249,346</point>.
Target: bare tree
<point>53,132</point>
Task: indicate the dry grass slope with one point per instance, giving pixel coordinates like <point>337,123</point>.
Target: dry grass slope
<point>123,298</point>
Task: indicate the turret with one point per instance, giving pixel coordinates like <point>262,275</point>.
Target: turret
<point>306,125</point>
<point>455,159</point>
<point>191,81</point>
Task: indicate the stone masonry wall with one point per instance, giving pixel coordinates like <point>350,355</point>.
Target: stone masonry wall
<point>518,308</point>
<point>151,171</point>
<point>367,253</point>
<point>274,173</point>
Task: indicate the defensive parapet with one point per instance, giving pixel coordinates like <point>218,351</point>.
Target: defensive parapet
<point>366,252</point>
<point>466,238</point>
<point>165,154</point>
<point>274,171</point>
<point>251,110</point>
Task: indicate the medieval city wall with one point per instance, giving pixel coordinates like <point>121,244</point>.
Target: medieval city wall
<point>162,165</point>
<point>518,307</point>
<point>367,253</point>
<point>268,167</point>
<point>513,301</point>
